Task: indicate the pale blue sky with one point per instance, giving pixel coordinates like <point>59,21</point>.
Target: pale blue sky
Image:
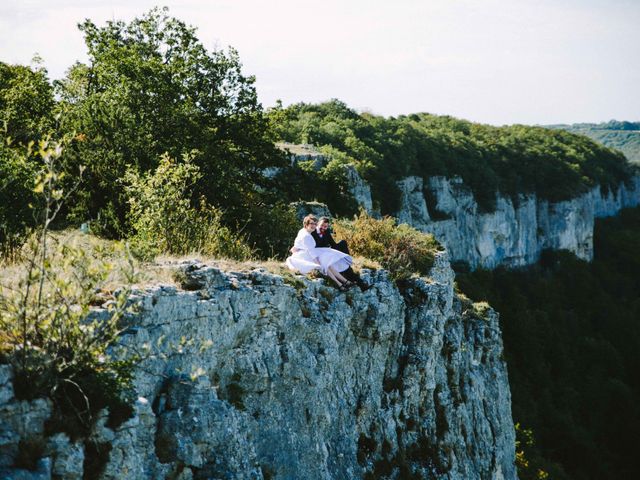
<point>508,61</point>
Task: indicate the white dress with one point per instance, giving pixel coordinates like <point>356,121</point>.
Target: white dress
<point>303,259</point>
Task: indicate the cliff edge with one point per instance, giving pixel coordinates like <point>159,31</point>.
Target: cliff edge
<point>251,375</point>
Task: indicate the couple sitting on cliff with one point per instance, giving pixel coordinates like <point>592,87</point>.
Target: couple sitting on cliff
<point>315,249</point>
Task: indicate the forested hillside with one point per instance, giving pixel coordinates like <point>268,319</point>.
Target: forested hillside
<point>572,334</point>
<point>623,136</point>
<point>511,160</point>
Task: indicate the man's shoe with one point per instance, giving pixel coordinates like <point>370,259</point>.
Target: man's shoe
<point>364,286</point>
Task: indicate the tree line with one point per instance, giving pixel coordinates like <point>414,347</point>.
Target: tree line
<point>510,160</point>
<point>151,90</point>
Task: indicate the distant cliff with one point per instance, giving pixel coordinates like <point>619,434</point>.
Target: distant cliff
<point>256,376</point>
<point>515,233</point>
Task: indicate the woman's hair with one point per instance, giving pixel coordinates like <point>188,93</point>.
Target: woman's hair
<point>308,219</point>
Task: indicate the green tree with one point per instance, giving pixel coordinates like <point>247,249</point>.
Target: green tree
<point>26,103</point>
<point>164,221</point>
<point>17,174</point>
<point>151,88</point>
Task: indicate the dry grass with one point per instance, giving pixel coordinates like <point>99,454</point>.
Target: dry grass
<point>97,250</point>
<point>160,271</point>
<point>400,249</point>
<point>298,149</point>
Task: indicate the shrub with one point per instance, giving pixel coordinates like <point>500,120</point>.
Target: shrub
<point>55,348</point>
<point>401,249</point>
<point>271,229</point>
<point>165,222</point>
<point>527,462</point>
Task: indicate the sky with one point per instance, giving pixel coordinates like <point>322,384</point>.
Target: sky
<point>490,61</point>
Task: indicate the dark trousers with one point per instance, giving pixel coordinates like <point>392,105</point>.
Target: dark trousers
<point>342,246</point>
<point>349,274</point>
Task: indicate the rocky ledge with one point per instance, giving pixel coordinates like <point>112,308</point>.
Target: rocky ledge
<point>251,375</point>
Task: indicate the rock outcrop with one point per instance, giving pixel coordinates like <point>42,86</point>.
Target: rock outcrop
<point>257,376</point>
<point>515,233</point>
<point>359,189</point>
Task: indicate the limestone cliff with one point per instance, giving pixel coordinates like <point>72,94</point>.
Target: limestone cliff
<point>255,376</point>
<point>512,235</point>
<point>515,233</point>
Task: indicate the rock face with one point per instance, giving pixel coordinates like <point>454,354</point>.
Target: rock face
<point>360,190</point>
<point>414,207</point>
<point>514,234</point>
<point>257,376</point>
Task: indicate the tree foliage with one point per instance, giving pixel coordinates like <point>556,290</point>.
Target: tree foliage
<point>151,88</point>
<point>26,103</point>
<point>26,116</point>
<point>623,136</point>
<point>512,160</point>
<point>164,221</point>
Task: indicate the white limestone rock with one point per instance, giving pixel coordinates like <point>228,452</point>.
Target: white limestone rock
<point>6,383</point>
<point>67,457</point>
<point>251,377</point>
<point>515,233</point>
<point>414,207</point>
<point>360,189</point>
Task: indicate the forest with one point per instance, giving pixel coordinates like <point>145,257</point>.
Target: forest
<point>571,336</point>
<point>511,160</point>
<point>623,136</point>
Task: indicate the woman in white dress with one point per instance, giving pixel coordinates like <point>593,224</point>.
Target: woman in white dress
<point>306,257</point>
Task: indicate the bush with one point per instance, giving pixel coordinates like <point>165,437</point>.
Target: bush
<point>165,222</point>
<point>47,335</point>
<point>271,229</point>
<point>527,460</point>
<point>401,249</point>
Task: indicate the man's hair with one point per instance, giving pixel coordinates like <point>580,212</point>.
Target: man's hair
<point>324,219</point>
<point>308,219</point>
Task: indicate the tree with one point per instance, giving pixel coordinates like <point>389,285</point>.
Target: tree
<point>26,105</point>
<point>151,88</point>
<point>26,102</point>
